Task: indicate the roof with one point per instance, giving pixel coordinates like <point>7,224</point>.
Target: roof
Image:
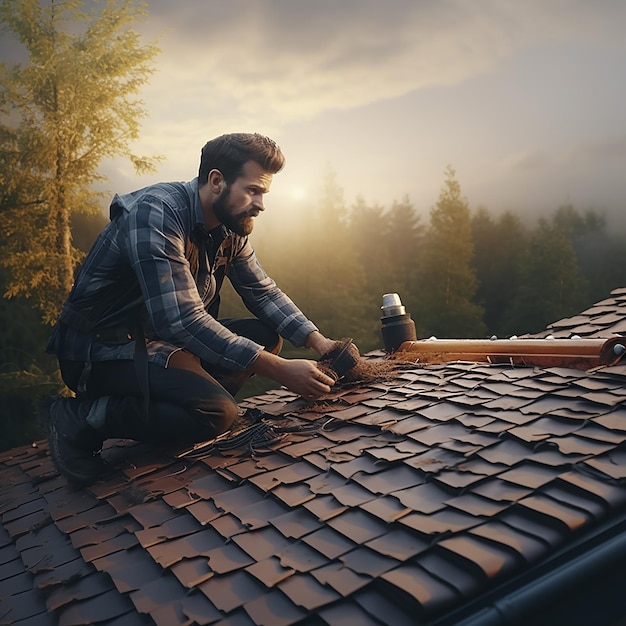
<point>437,494</point>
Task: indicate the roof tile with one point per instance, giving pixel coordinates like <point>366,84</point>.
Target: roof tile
<point>329,542</point>
<point>106,606</point>
<point>173,528</point>
<point>494,560</point>
<point>528,474</point>
<point>430,594</point>
<point>200,543</point>
<point>262,543</point>
<point>324,507</point>
<point>300,557</point>
<point>129,569</point>
<point>157,593</point>
<point>525,546</point>
<point>398,544</point>
<point>87,587</point>
<point>357,525</point>
<point>227,526</point>
<point>232,591</point>
<point>191,572</point>
<point>306,592</point>
<point>274,608</point>
<point>296,523</point>
<point>349,613</point>
<point>228,558</point>
<point>270,571</point>
<point>440,523</point>
<point>340,578</point>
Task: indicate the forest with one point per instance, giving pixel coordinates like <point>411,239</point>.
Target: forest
<point>461,273</point>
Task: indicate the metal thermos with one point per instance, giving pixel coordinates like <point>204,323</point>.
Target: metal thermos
<point>397,325</point>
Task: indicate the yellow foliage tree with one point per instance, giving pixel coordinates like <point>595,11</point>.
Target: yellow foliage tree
<point>71,104</point>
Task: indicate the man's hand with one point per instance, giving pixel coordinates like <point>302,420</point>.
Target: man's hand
<point>299,375</point>
<point>316,341</point>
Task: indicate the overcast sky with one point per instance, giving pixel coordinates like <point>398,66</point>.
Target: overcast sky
<point>525,99</point>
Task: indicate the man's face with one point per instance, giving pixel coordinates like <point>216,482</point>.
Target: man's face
<point>239,203</point>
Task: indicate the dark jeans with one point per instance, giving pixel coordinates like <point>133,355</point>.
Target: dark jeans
<point>190,401</point>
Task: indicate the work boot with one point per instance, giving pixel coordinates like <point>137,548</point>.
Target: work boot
<point>74,445</point>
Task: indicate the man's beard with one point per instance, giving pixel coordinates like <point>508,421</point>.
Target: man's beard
<point>241,223</point>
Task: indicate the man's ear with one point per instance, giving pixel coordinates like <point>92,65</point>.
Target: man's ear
<point>216,181</point>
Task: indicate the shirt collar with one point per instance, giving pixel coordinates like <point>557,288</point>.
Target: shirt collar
<point>198,214</point>
<point>196,206</point>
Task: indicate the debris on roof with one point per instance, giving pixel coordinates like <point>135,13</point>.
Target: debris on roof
<point>437,493</point>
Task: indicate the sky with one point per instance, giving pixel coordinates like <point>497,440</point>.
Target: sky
<point>525,100</point>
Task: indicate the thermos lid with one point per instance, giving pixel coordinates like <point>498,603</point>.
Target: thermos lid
<point>392,305</point>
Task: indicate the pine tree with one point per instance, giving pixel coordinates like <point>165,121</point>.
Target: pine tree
<point>596,249</point>
<point>499,246</point>
<point>71,105</point>
<point>551,285</point>
<point>403,252</point>
<point>369,228</point>
<point>447,279</point>
<point>368,233</point>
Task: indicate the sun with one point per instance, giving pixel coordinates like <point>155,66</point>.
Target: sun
<point>298,193</point>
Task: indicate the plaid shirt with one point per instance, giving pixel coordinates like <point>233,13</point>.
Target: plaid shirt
<point>156,261</point>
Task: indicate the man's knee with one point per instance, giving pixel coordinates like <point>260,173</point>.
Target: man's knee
<point>217,416</point>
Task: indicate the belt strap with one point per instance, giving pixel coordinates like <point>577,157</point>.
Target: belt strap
<point>141,366</point>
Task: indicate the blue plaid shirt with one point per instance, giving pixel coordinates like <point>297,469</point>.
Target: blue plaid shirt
<point>156,261</point>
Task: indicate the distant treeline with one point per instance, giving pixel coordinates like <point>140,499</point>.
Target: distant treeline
<point>461,274</point>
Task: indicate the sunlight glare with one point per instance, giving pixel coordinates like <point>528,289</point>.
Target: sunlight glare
<point>298,193</point>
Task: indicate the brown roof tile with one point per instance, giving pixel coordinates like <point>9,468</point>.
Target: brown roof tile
<point>231,591</point>
<point>493,560</point>
<point>418,584</point>
<point>274,608</point>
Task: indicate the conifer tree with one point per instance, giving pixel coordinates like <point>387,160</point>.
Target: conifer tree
<point>597,250</point>
<point>499,246</point>
<point>551,285</point>
<point>447,280</point>
<point>73,103</point>
<point>403,252</point>
<point>369,230</point>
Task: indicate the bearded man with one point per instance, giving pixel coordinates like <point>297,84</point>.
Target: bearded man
<point>139,340</point>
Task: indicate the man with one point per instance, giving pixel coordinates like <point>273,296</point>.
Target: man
<point>138,339</point>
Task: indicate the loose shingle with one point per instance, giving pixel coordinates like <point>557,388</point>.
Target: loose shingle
<point>274,608</point>
<point>232,591</point>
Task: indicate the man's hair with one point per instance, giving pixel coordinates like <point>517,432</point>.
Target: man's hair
<point>229,153</point>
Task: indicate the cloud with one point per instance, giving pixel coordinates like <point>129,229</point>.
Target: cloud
<point>605,150</point>
<point>295,60</point>
<point>528,161</point>
<point>517,95</point>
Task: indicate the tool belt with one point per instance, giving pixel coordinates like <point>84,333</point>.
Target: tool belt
<point>115,335</point>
